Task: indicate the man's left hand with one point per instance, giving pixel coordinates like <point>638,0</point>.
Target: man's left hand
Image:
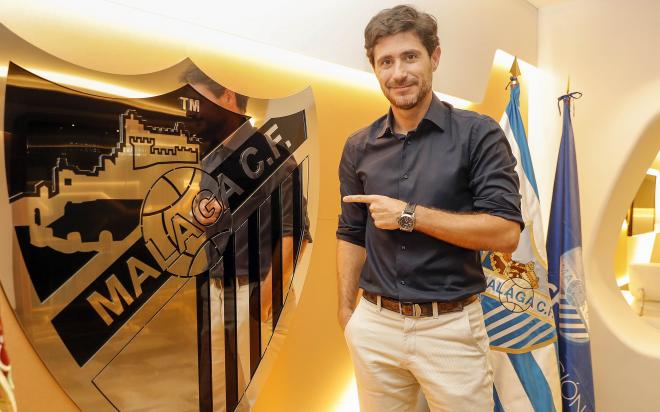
<point>384,210</point>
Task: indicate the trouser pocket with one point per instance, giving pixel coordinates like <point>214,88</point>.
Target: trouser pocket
<point>474,319</point>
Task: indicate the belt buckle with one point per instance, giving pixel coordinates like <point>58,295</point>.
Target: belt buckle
<point>416,309</point>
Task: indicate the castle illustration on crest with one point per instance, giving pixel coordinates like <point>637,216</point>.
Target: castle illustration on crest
<point>115,187</point>
<point>158,145</point>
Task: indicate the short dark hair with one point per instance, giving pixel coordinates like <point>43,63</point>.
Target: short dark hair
<point>401,19</point>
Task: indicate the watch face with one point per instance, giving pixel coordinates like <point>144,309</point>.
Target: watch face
<point>406,222</point>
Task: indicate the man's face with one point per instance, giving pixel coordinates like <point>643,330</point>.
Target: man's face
<point>404,69</point>
<point>226,100</point>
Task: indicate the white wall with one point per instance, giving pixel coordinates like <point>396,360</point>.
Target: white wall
<point>610,50</point>
<point>470,30</point>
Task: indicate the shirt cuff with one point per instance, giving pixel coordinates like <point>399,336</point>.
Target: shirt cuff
<point>350,235</point>
<point>506,207</point>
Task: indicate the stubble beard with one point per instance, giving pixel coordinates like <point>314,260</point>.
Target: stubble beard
<point>409,102</point>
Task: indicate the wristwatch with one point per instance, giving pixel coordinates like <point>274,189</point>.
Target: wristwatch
<point>407,219</point>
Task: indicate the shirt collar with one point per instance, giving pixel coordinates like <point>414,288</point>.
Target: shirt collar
<point>437,114</point>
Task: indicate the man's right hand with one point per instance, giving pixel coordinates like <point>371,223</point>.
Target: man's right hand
<point>344,316</point>
<point>350,260</point>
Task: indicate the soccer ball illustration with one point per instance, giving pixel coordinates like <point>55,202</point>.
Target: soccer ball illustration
<point>516,294</point>
<point>185,221</point>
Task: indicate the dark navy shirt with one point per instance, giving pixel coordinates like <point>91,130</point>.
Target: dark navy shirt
<point>456,160</point>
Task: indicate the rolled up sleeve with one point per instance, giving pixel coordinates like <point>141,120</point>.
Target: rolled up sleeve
<point>353,217</point>
<point>493,179</point>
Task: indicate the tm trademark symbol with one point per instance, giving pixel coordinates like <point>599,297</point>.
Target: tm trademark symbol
<point>190,105</point>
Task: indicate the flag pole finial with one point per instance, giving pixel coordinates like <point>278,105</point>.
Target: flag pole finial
<point>568,84</point>
<point>515,70</point>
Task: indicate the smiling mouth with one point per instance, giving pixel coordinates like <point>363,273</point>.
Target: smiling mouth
<point>402,87</point>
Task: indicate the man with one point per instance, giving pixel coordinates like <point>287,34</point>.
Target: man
<point>425,188</point>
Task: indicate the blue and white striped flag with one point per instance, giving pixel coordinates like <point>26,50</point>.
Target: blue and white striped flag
<point>517,305</point>
<point>567,276</point>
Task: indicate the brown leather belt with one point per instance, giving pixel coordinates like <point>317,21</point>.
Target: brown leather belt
<point>418,309</point>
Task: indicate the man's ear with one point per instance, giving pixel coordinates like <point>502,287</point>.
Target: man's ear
<point>435,57</point>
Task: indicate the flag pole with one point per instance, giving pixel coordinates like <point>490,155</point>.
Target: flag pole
<point>514,70</point>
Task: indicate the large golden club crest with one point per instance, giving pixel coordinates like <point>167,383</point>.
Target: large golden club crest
<point>160,235</point>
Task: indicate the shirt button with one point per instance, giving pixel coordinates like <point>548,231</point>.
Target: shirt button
<point>403,282</point>
<point>403,247</point>
<point>405,176</point>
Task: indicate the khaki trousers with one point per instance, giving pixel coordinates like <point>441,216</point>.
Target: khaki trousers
<point>394,355</point>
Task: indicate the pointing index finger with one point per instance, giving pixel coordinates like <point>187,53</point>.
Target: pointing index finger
<point>359,198</point>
